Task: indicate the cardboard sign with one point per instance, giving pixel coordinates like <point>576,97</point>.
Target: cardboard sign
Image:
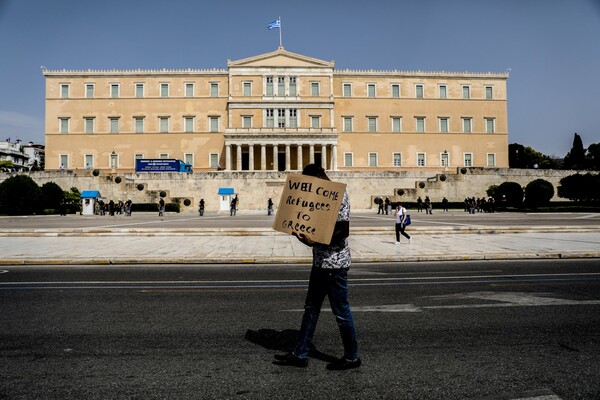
<point>310,206</point>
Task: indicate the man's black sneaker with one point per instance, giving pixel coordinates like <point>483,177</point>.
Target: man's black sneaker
<point>343,363</point>
<point>290,359</point>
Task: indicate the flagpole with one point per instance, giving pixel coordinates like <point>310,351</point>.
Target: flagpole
<point>280,29</point>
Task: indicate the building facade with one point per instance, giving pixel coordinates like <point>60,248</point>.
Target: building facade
<point>276,112</point>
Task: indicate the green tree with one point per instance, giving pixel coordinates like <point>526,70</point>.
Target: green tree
<point>20,195</point>
<point>538,193</point>
<point>52,194</point>
<point>593,156</point>
<point>73,200</point>
<point>579,187</point>
<point>575,159</point>
<point>520,156</point>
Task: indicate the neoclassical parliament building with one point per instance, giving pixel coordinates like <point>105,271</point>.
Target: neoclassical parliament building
<point>276,112</point>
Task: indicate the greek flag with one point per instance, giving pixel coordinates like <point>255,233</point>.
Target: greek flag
<point>275,24</point>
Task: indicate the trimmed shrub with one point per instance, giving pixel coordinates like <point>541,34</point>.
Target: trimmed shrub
<point>511,193</point>
<point>52,195</point>
<point>580,187</point>
<point>20,195</point>
<point>538,193</point>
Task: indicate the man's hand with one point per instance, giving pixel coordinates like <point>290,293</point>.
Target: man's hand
<point>304,239</point>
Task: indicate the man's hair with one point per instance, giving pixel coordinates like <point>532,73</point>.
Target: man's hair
<point>315,170</point>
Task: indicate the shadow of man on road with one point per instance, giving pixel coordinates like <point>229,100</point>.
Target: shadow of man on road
<point>283,341</point>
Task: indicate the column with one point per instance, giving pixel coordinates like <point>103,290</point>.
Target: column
<point>287,158</point>
<point>334,157</point>
<point>323,157</point>
<point>238,167</point>
<point>299,166</point>
<point>275,158</point>
<point>311,154</point>
<point>263,157</point>
<point>227,157</point>
<point>251,157</point>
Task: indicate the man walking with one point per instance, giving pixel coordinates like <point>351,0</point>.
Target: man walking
<point>328,277</point>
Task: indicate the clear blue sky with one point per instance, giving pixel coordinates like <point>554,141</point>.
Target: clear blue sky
<point>552,48</point>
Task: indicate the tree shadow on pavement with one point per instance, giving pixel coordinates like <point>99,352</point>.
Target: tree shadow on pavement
<point>283,341</point>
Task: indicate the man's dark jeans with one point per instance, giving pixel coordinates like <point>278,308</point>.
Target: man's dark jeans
<point>332,283</point>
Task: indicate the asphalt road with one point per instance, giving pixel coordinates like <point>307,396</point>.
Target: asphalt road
<point>468,330</point>
<point>454,218</point>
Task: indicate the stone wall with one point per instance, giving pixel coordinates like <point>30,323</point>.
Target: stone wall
<point>254,188</point>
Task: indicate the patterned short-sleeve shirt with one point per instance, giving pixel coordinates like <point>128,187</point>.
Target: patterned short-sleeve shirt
<point>336,254</point>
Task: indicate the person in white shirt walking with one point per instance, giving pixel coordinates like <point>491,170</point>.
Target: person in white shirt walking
<point>400,215</point>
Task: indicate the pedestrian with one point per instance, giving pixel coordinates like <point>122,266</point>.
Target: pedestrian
<point>379,202</point>
<point>445,204</point>
<point>63,207</point>
<point>161,208</point>
<point>111,208</point>
<point>388,206</point>
<point>233,206</point>
<point>419,204</point>
<point>201,207</point>
<point>400,215</point>
<point>128,205</point>
<point>270,206</point>
<point>328,277</point>
<point>428,205</point>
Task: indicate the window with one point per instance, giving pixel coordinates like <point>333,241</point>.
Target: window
<point>281,86</point>
<point>466,92</point>
<point>139,124</point>
<point>281,118</point>
<point>371,90</point>
<point>269,86</point>
<point>372,159</point>
<point>395,90</point>
<point>491,160</point>
<point>247,88</point>
<point>347,90</point>
<point>163,156</point>
<point>188,158</point>
<point>489,125</point>
<point>63,125</point>
<point>443,125</point>
<point>270,118</point>
<point>114,160</point>
<point>348,159</point>
<point>372,124</point>
<point>188,124</point>
<point>114,124</point>
<point>293,118</point>
<point>443,91</point>
<point>489,93</point>
<point>189,90</point>
<point>419,91</point>
<point>163,123</point>
<point>64,161</point>
<point>396,124</point>
<point>314,88</point>
<point>444,159</point>
<point>138,156</point>
<point>214,160</point>
<point>89,90</point>
<point>420,124</point>
<point>315,121</point>
<point>420,159</point>
<point>246,121</point>
<point>467,125</point>
<point>468,159</point>
<point>214,124</point>
<point>114,90</point>
<point>347,124</point>
<point>89,125</point>
<point>64,91</point>
<point>164,90</point>
<point>89,161</point>
<point>214,90</point>
<point>139,90</point>
<point>293,87</point>
<point>397,159</point>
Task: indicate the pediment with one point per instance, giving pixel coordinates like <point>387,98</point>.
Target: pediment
<point>280,58</point>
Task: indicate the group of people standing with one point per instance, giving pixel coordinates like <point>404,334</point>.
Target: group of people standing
<point>111,208</point>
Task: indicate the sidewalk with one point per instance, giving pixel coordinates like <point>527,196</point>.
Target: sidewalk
<point>261,245</point>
